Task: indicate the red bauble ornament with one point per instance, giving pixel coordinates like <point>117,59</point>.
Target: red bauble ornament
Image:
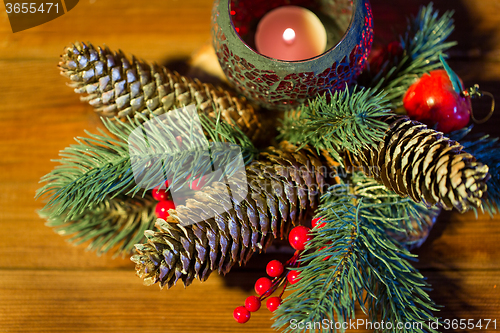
<point>162,208</point>
<point>293,277</point>
<point>160,194</point>
<point>298,237</point>
<point>273,303</point>
<point>274,268</point>
<point>241,314</point>
<point>433,101</point>
<point>262,285</point>
<point>252,303</point>
<point>316,221</point>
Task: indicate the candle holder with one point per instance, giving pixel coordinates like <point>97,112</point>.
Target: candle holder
<point>279,84</point>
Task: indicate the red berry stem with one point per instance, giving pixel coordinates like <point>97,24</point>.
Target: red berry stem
<point>277,281</point>
<point>242,313</point>
<point>284,287</point>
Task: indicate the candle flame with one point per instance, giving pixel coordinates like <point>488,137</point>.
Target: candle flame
<point>289,36</point>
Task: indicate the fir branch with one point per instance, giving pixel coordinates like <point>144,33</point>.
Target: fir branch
<point>99,167</point>
<point>349,120</point>
<point>363,260</point>
<point>423,43</point>
<point>111,223</point>
<point>486,149</point>
<point>329,293</point>
<point>403,219</point>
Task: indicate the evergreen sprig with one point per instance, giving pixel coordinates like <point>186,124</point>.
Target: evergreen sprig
<point>486,149</point>
<point>348,119</point>
<point>423,42</point>
<point>358,262</point>
<point>118,221</point>
<point>97,171</point>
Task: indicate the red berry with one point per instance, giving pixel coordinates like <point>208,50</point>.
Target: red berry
<point>162,208</point>
<point>293,277</point>
<point>273,303</point>
<point>432,100</point>
<point>315,221</point>
<point>262,285</point>
<point>197,183</point>
<point>274,268</point>
<point>298,237</point>
<point>160,194</point>
<point>241,314</point>
<point>252,303</point>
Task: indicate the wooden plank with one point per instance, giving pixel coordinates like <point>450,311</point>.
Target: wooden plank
<point>47,285</point>
<point>113,301</point>
<point>154,30</point>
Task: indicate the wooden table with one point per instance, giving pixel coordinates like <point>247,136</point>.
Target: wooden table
<point>47,285</point>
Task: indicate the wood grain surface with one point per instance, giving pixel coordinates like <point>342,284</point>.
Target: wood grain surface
<point>48,285</point>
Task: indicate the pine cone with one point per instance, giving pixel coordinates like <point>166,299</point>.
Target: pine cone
<point>119,87</point>
<point>283,186</point>
<point>421,163</point>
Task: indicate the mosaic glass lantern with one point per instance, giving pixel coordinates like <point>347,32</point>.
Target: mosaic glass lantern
<point>280,84</point>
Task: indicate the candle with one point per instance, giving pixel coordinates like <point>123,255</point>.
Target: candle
<point>338,41</point>
<point>290,33</point>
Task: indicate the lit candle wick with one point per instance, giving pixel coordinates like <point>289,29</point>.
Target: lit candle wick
<point>289,36</point>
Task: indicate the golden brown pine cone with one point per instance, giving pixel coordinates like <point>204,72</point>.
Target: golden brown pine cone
<point>283,187</point>
<point>421,163</point>
<point>120,87</point>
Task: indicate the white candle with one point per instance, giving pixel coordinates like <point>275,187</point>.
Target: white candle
<point>290,33</point>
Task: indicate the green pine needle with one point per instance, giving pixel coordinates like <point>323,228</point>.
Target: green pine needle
<point>486,149</point>
<point>365,265</point>
<point>119,221</point>
<point>98,168</point>
<point>350,120</point>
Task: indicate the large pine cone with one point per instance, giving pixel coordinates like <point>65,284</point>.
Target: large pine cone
<point>120,87</point>
<point>423,164</point>
<point>283,187</point>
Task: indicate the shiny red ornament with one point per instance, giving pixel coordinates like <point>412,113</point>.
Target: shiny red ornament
<point>241,314</point>
<point>162,208</point>
<point>273,303</point>
<point>293,277</point>
<point>298,237</point>
<point>433,101</point>
<point>160,194</point>
<point>252,303</point>
<point>262,285</point>
<point>316,221</point>
<point>274,268</point>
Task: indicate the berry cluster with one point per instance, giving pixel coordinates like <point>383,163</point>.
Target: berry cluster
<point>265,287</point>
<point>164,202</point>
<point>164,198</point>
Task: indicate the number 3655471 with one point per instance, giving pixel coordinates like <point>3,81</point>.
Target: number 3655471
<point>27,8</point>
